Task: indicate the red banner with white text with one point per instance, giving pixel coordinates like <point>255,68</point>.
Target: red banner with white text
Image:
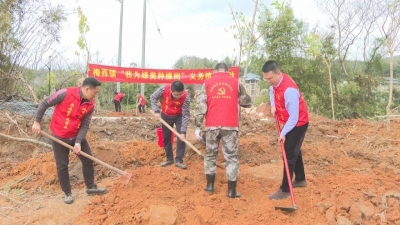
<point>143,75</point>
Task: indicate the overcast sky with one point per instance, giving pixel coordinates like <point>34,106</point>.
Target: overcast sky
<point>187,27</point>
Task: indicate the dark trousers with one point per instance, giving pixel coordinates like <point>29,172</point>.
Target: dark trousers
<point>293,141</point>
<point>117,106</point>
<point>62,161</point>
<point>141,108</point>
<point>180,146</point>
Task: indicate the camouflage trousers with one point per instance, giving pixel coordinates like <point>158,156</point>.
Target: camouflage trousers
<point>229,139</point>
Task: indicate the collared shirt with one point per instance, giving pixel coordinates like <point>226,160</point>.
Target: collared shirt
<point>185,107</point>
<point>201,107</point>
<point>291,96</point>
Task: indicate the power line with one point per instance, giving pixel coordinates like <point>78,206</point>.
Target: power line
<point>159,31</point>
<point>151,9</point>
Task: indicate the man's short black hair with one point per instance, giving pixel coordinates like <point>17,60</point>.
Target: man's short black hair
<point>177,86</point>
<point>221,66</point>
<point>91,82</point>
<point>271,65</point>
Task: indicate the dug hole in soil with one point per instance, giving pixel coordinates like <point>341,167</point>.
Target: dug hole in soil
<point>352,170</point>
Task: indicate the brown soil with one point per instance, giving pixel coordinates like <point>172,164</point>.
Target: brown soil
<point>352,170</point>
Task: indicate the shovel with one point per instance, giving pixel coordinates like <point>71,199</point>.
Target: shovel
<point>294,207</point>
<point>125,174</point>
<point>179,135</point>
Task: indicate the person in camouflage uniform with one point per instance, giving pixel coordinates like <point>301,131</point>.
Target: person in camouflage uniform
<point>218,102</point>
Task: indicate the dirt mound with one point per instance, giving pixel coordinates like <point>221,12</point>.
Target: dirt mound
<point>265,109</point>
<point>124,128</point>
<point>351,168</point>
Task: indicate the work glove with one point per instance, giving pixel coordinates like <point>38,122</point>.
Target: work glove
<point>198,136</point>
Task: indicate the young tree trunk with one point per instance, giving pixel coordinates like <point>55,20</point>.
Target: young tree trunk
<point>344,68</point>
<point>97,105</point>
<point>390,92</point>
<point>35,99</point>
<point>251,41</point>
<point>329,66</point>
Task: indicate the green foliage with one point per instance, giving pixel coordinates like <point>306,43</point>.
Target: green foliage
<point>263,98</point>
<point>83,29</point>
<point>385,67</point>
<point>28,29</point>
<point>281,33</point>
<point>360,98</point>
<point>194,62</point>
<point>150,89</point>
<point>257,62</point>
<point>106,94</point>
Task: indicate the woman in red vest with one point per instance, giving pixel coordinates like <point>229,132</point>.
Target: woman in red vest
<point>141,102</point>
<point>289,106</point>
<point>218,102</point>
<point>70,122</point>
<point>175,109</point>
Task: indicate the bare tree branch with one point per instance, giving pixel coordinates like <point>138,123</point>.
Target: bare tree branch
<point>26,140</point>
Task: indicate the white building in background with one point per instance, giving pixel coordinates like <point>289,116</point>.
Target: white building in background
<point>252,84</point>
<point>386,81</point>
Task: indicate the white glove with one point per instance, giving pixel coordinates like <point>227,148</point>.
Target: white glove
<point>197,133</point>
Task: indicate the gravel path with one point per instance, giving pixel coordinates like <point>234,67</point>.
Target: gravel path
<point>22,108</point>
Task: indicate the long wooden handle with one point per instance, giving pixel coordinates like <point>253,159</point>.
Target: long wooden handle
<point>179,135</point>
<point>85,154</point>
<point>285,162</point>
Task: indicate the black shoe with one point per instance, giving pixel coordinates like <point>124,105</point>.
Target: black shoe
<point>95,190</point>
<point>232,190</point>
<point>68,199</point>
<point>296,183</point>
<point>210,183</point>
<point>166,163</point>
<point>278,195</point>
<point>180,165</point>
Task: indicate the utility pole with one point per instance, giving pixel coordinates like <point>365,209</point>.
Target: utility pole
<point>143,43</point>
<point>120,39</point>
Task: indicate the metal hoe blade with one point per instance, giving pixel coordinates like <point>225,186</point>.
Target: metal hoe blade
<point>286,209</point>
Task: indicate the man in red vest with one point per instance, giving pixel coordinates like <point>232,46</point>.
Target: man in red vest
<point>117,101</point>
<point>70,122</point>
<point>288,105</point>
<point>218,102</point>
<point>175,109</point>
<point>141,102</point>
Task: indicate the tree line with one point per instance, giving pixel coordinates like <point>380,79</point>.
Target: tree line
<point>340,67</point>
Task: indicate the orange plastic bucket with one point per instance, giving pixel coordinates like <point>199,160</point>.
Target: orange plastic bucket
<point>161,138</point>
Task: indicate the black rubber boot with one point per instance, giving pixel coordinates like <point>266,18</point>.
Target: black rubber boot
<point>232,190</point>
<point>210,183</point>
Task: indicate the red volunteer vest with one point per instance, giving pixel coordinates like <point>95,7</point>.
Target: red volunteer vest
<point>172,107</point>
<point>222,100</point>
<point>118,96</point>
<point>143,102</point>
<point>68,115</point>
<point>279,99</point>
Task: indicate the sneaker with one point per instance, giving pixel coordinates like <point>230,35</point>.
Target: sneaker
<point>166,163</point>
<point>279,195</point>
<point>96,190</point>
<point>68,199</point>
<point>296,183</point>
<point>180,165</point>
